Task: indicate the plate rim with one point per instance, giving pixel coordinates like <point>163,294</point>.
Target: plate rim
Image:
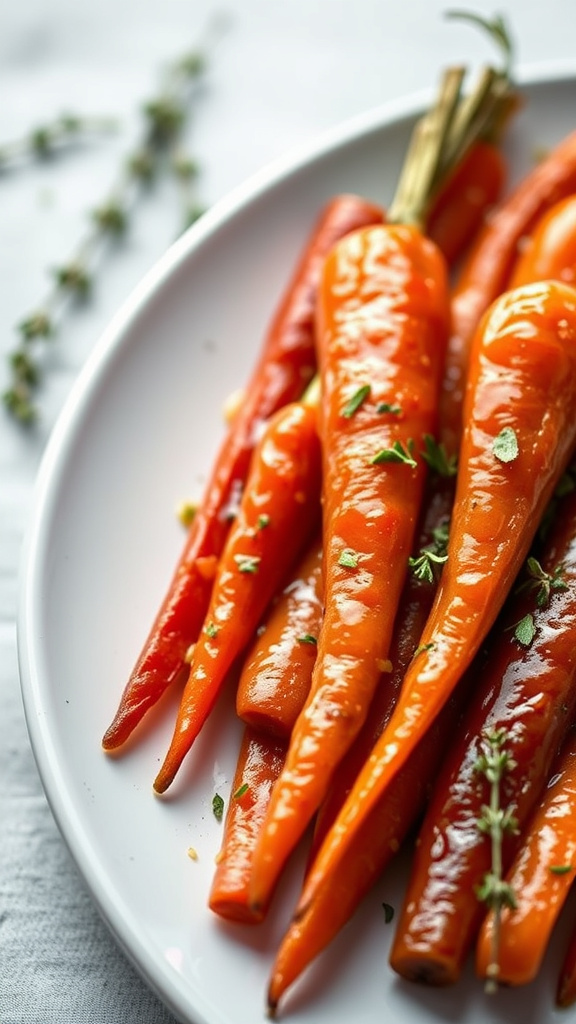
<point>345,133</point>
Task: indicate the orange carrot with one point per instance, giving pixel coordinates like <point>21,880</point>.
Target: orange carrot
<point>382,328</point>
<point>489,263</point>
<point>540,878</point>
<point>520,432</point>
<point>278,512</point>
<point>466,199</point>
<point>259,763</point>
<point>277,669</point>
<point>286,364</point>
<point>550,250</point>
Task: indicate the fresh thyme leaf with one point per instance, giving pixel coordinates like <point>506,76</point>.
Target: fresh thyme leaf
<point>505,445</point>
<point>422,648</point>
<point>217,806</point>
<point>211,630</point>
<point>307,638</point>
<point>388,912</point>
<point>395,410</point>
<point>240,791</point>
<point>431,555</point>
<point>542,582</point>
<point>263,521</point>
<point>348,558</point>
<point>397,453</point>
<point>247,563</point>
<point>436,457</point>
<point>525,630</point>
<point>560,869</point>
<point>354,403</point>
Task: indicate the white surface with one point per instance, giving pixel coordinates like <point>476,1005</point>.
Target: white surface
<point>120,457</point>
<point>280,73</point>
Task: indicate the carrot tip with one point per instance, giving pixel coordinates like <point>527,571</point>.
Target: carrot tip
<point>271,1009</point>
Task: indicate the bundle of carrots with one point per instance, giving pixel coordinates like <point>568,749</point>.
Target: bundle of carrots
<point>387,550</point>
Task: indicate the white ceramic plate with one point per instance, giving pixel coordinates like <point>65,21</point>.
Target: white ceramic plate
<point>136,437</point>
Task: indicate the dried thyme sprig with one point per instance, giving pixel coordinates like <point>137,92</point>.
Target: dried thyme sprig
<point>494,763</point>
<point>46,140</point>
<point>159,149</point>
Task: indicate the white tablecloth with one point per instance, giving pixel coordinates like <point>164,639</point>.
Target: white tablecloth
<point>281,71</point>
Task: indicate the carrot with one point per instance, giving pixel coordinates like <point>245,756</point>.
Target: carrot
<point>286,364</point>
<point>540,878</point>
<point>466,199</point>
<point>384,830</point>
<point>278,512</point>
<point>519,435</point>
<point>383,321</point>
<point>488,265</point>
<point>524,691</point>
<point>259,763</point>
<point>550,250</point>
<point>277,669</point>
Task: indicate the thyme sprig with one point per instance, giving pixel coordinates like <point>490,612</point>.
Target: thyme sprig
<point>542,583</point>
<point>47,140</point>
<point>495,821</point>
<point>159,149</point>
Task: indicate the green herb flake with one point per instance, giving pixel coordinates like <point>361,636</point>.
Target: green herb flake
<point>437,459</point>
<point>397,453</point>
<point>263,521</point>
<point>542,583</point>
<point>240,791</point>
<point>217,806</point>
<point>388,912</point>
<point>560,869</point>
<point>211,630</point>
<point>505,445</point>
<point>394,410</point>
<point>247,563</point>
<point>349,559</point>
<point>422,648</point>
<point>525,630</point>
<point>307,638</point>
<point>354,403</point>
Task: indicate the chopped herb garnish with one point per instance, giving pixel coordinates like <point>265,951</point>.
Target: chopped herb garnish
<point>218,806</point>
<point>505,445</point>
<point>397,453</point>
<point>247,563</point>
<point>422,648</point>
<point>395,410</point>
<point>541,582</point>
<point>263,521</point>
<point>525,630</point>
<point>431,555</point>
<point>354,403</point>
<point>240,791</point>
<point>211,630</point>
<point>437,458</point>
<point>348,558</point>
<point>388,912</point>
<point>560,869</point>
<point>307,638</point>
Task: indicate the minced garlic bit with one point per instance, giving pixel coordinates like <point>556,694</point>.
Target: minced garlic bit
<point>192,853</point>
<point>232,404</point>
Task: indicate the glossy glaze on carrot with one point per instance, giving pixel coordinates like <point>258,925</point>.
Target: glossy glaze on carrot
<point>549,252</point>
<point>286,364</point>
<point>522,379</point>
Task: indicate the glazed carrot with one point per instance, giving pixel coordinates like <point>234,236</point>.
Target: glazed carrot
<point>541,877</point>
<point>519,435</point>
<point>259,763</point>
<point>466,199</point>
<point>382,328</point>
<point>489,263</point>
<point>527,693</point>
<point>277,669</point>
<point>286,364</point>
<point>278,512</point>
<point>550,250</point>
<point>384,830</point>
